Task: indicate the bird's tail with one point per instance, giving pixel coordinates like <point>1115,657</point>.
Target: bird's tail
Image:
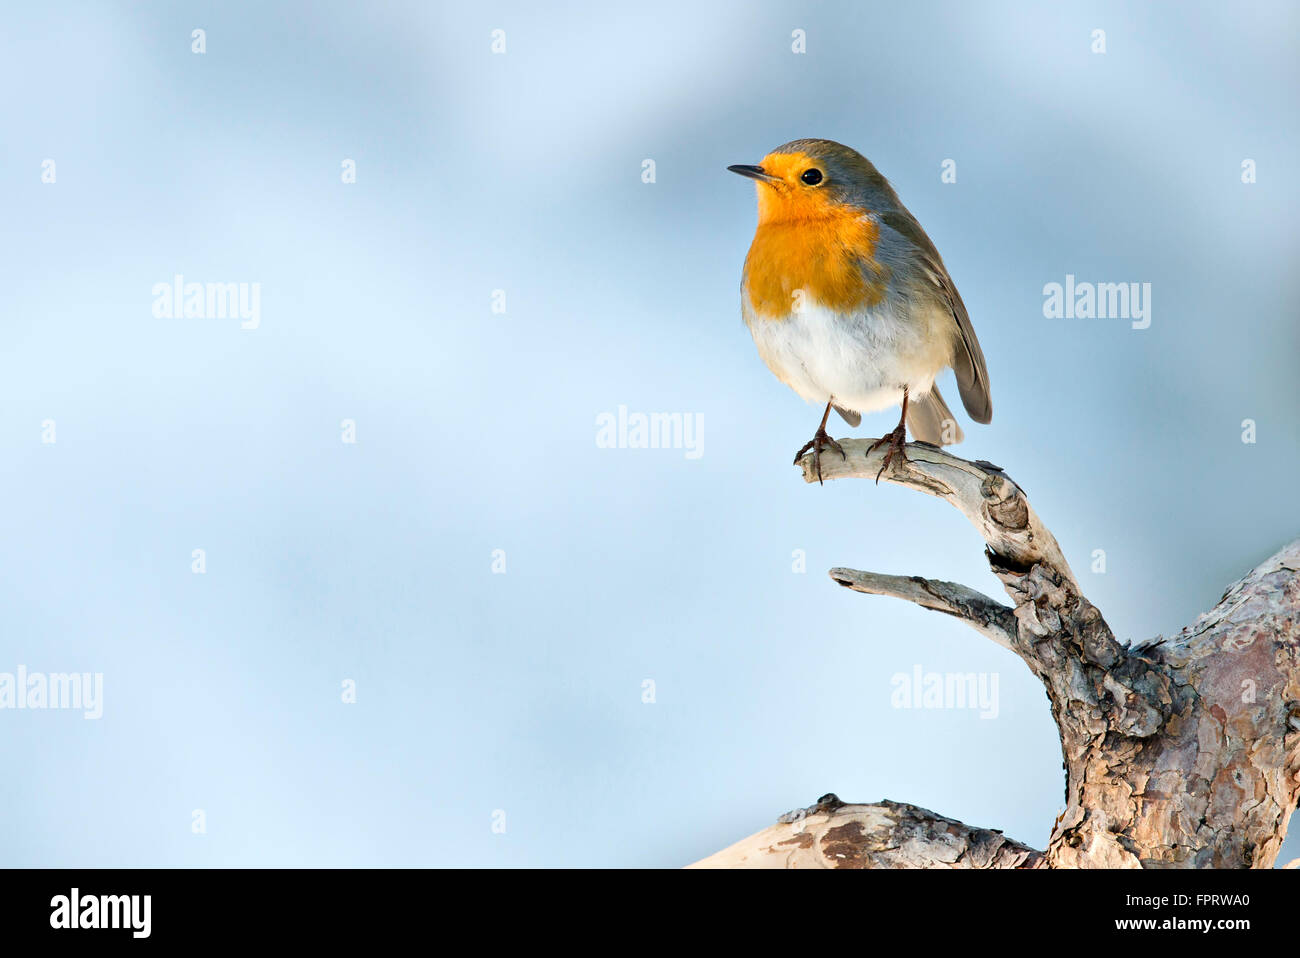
<point>930,420</point>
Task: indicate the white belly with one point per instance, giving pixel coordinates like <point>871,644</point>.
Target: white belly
<point>864,360</point>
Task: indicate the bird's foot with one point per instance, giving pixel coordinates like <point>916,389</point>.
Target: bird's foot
<point>817,443</point>
<point>895,441</point>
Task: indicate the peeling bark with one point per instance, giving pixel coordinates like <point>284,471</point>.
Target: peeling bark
<point>1179,753</point>
<point>831,834</point>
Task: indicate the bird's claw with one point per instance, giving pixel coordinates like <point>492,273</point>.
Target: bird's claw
<point>895,440</point>
<point>817,443</point>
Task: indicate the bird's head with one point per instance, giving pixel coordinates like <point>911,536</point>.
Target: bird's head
<point>815,179</point>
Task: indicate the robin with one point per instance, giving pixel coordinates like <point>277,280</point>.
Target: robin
<point>849,302</point>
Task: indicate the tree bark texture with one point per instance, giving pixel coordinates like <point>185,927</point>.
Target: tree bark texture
<point>1179,752</point>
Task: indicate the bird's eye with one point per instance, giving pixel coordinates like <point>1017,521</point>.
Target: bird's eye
<point>811,177</point>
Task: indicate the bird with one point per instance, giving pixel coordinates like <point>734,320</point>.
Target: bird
<point>849,302</point>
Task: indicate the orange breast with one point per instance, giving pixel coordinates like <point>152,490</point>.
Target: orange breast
<point>829,258</point>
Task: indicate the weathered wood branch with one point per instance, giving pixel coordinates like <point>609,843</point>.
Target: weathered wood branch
<point>1179,752</point>
<point>991,619</point>
<point>831,834</point>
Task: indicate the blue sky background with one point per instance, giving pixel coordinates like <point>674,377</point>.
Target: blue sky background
<point>476,431</point>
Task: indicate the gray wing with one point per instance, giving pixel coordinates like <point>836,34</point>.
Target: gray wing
<point>968,364</point>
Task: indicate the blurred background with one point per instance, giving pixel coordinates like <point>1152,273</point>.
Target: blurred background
<point>501,717</point>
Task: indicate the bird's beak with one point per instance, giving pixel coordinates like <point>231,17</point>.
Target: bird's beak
<point>753,172</point>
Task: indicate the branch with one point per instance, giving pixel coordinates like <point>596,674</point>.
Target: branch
<point>1181,752</point>
<point>987,496</point>
<point>1225,780</point>
<point>991,619</point>
<point>831,834</point>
